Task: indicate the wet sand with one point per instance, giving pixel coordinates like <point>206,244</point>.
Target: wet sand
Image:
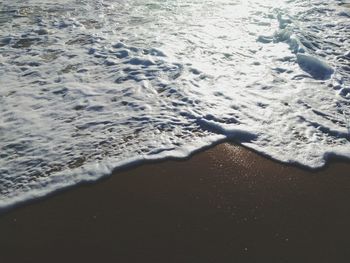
<point>226,204</point>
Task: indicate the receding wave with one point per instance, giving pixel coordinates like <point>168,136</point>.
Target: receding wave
<point>89,85</point>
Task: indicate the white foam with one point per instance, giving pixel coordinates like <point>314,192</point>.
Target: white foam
<point>84,91</point>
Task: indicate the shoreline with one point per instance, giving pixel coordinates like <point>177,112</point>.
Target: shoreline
<point>334,159</point>
<point>226,203</point>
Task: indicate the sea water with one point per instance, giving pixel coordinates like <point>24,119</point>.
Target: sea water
<point>87,86</point>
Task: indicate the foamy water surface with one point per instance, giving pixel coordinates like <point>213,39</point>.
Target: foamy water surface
<point>89,85</point>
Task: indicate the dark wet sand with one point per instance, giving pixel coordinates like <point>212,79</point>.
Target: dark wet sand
<point>226,204</point>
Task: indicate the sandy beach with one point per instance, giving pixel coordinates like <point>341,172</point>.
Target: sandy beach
<point>226,204</point>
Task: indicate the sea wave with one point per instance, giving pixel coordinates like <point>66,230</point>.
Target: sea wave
<point>88,86</point>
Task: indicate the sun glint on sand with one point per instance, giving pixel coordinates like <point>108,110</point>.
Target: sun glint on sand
<point>226,204</point>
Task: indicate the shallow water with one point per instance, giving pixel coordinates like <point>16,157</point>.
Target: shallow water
<point>90,85</point>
